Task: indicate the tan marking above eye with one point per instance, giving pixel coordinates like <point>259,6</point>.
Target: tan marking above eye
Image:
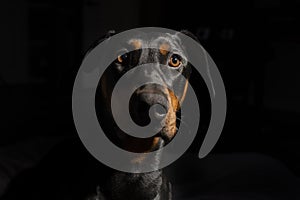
<point>164,48</point>
<point>137,44</point>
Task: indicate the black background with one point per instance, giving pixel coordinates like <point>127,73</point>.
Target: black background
<point>255,44</point>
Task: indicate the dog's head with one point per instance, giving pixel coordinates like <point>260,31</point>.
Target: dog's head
<point>167,52</point>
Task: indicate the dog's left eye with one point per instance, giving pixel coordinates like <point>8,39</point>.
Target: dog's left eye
<point>175,60</point>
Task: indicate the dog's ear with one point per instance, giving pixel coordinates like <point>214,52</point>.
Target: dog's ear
<point>190,34</point>
<point>99,40</point>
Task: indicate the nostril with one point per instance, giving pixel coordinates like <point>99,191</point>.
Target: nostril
<point>159,112</point>
<point>139,111</point>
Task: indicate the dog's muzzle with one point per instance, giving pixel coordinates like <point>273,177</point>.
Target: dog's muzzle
<point>143,99</point>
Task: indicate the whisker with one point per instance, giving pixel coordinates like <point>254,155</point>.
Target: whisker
<point>181,121</point>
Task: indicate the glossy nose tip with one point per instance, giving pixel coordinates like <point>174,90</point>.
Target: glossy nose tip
<point>159,112</point>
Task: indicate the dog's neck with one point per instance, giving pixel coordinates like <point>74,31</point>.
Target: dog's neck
<point>146,186</point>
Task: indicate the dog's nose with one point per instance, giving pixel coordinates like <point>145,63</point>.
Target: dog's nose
<point>159,112</point>
<point>146,105</point>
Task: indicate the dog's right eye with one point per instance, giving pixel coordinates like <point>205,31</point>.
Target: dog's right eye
<point>122,58</point>
<point>175,61</point>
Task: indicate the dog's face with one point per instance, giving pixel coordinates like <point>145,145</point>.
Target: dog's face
<point>167,53</point>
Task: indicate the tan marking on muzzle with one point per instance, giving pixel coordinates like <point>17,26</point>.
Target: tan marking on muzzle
<point>173,100</point>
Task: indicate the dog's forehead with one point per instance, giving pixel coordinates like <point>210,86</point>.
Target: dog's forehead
<point>167,41</point>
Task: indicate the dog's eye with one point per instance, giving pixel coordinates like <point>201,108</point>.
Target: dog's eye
<point>175,60</point>
<point>122,58</point>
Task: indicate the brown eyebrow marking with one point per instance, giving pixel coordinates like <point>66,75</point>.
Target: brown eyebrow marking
<point>137,44</point>
<point>164,48</point>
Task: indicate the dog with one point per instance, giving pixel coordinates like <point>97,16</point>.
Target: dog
<point>164,49</point>
<point>70,172</point>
